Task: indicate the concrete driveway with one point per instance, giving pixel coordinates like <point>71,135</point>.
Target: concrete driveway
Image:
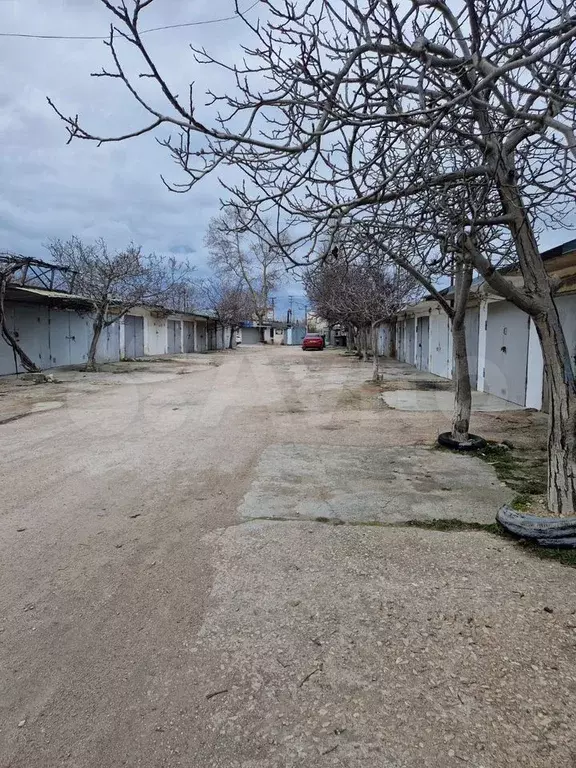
<point>173,593</point>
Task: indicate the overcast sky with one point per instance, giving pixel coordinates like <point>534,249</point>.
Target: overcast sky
<point>52,190</point>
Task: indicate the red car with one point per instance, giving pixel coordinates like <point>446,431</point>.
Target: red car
<point>312,341</point>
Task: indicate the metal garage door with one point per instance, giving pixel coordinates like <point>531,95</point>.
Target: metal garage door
<point>506,352</point>
<point>472,326</point>
<point>566,306</point>
<point>109,343</point>
<point>201,335</point>
<point>440,345</point>
<point>410,339</point>
<point>79,337</point>
<point>31,330</point>
<point>250,336</point>
<point>423,335</point>
<point>174,337</point>
<point>188,336</point>
<point>133,336</point>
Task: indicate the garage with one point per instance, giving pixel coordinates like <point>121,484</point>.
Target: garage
<point>250,336</point>
<point>133,336</point>
<point>174,337</point>
<point>423,339</point>
<point>566,306</point>
<point>410,339</point>
<point>506,352</point>
<point>400,342</point>
<point>472,323</point>
<point>440,345</point>
<point>188,336</point>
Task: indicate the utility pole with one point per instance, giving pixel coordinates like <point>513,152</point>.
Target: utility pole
<point>273,318</point>
<point>306,317</point>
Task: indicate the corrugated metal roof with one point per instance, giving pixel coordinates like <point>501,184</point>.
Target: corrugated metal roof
<point>50,294</point>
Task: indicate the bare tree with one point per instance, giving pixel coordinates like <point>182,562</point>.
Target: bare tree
<point>497,77</point>
<point>245,256</point>
<point>117,281</point>
<point>360,294</point>
<point>229,301</point>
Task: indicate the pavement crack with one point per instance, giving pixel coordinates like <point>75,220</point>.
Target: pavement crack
<point>319,668</point>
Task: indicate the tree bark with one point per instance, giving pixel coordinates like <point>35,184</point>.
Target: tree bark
<point>97,327</point>
<point>561,386</point>
<point>462,390</point>
<point>350,339</point>
<point>231,342</point>
<point>561,414</point>
<point>27,363</point>
<point>364,344</point>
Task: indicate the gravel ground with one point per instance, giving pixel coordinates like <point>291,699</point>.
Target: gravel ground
<point>143,623</point>
<point>348,646</point>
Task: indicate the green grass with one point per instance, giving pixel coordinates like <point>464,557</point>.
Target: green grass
<point>566,557</point>
<point>522,470</point>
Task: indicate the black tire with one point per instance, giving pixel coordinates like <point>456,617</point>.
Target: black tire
<point>474,443</point>
<point>552,532</point>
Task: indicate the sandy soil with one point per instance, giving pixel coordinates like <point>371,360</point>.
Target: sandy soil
<point>145,622</point>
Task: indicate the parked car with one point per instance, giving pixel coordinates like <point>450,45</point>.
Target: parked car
<point>313,341</point>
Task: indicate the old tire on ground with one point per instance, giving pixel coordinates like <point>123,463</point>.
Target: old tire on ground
<point>474,443</point>
<point>556,532</point>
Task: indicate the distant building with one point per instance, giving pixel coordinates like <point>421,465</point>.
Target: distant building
<point>268,332</point>
<point>54,328</point>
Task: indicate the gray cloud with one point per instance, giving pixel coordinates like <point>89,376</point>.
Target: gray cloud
<point>54,190</point>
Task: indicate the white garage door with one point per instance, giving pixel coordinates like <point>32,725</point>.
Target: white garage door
<point>472,323</point>
<point>506,352</point>
<point>566,306</point>
<point>440,345</point>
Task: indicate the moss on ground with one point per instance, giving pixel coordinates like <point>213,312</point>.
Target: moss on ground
<point>565,557</point>
<point>525,471</point>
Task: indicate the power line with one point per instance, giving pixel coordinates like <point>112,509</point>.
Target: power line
<point>143,32</point>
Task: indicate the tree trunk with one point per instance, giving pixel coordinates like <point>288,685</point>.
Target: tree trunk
<point>97,327</point>
<point>231,342</point>
<point>375,358</point>
<point>561,415</point>
<point>363,344</point>
<point>366,344</point>
<point>350,339</point>
<point>561,386</point>
<point>27,363</point>
<point>462,390</point>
